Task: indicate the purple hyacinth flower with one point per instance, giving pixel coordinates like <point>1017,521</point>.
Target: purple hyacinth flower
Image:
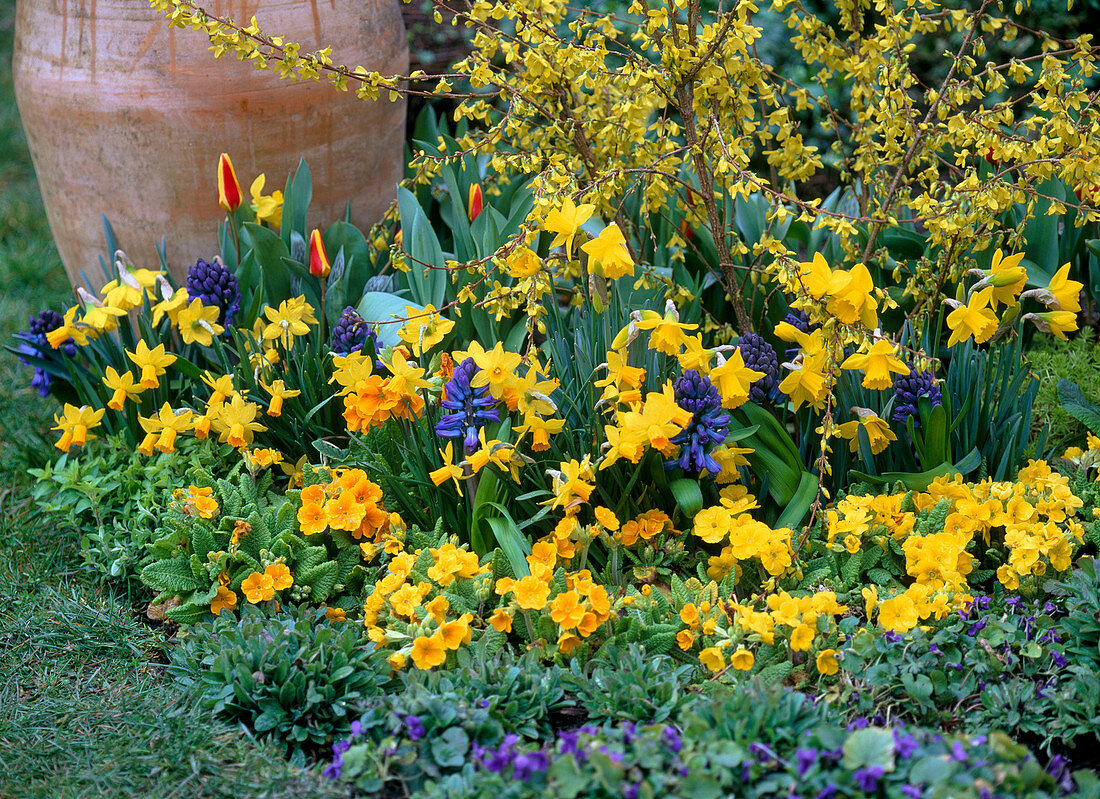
<point>471,408</point>
<point>707,428</point>
<point>215,285</point>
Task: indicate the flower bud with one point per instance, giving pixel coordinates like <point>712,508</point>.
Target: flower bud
<point>229,190</point>
<point>474,202</point>
<point>319,265</point>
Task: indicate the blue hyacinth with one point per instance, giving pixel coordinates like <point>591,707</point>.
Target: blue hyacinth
<point>472,407</point>
<point>908,389</point>
<point>801,321</point>
<point>708,426</point>
<point>759,356</point>
<point>214,284</point>
<point>353,334</point>
<point>36,345</point>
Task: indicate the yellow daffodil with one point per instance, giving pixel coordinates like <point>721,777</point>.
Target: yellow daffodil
<point>292,318</point>
<point>172,302</point>
<point>610,252</point>
<point>122,387</point>
<point>162,429</point>
<point>1066,293</point>
<point>878,431</point>
<point>69,329</point>
<point>1007,278</point>
<point>279,392</point>
<point>424,328</point>
<point>523,263</point>
<point>1057,322</point>
<point>449,470</point>
<point>877,364</point>
<point>495,367</point>
<point>973,319</point>
<point>75,425</point>
<point>152,362</point>
<point>805,384</point>
<point>565,222</point>
<point>236,423</point>
<point>267,207</point>
<point>734,380</point>
<point>198,323</point>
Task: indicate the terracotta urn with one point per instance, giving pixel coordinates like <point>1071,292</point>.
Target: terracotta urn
<point>126,117</point>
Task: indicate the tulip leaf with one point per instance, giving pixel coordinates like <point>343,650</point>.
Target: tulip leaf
<point>386,312</point>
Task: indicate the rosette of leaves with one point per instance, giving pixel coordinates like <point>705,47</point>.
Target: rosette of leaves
<point>294,676</point>
<point>523,694</point>
<point>627,683</point>
<point>190,553</point>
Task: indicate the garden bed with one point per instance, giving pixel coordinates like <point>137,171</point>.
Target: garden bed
<point>615,460</point>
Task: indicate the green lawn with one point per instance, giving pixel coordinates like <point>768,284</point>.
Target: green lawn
<point>87,707</point>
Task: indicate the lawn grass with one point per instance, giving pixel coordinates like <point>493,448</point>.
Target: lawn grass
<point>87,707</point>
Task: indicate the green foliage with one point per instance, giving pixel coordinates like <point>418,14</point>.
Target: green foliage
<point>523,694</point>
<point>1001,667</point>
<point>1077,405</point>
<point>991,395</point>
<point>816,757</point>
<point>627,683</point>
<point>292,676</point>
<point>1082,620</point>
<point>425,732</point>
<point>115,497</point>
<point>1052,360</point>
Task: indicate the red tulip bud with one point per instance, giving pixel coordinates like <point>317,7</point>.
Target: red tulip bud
<point>318,260</point>
<point>473,202</point>
<point>229,190</point>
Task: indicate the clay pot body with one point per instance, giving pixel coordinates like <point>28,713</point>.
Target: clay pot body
<point>126,117</point>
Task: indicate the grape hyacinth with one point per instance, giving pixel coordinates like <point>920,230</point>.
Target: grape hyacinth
<point>908,389</point>
<point>37,346</point>
<point>708,426</point>
<point>352,334</point>
<point>760,357</point>
<point>215,285</point>
<point>473,407</point>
